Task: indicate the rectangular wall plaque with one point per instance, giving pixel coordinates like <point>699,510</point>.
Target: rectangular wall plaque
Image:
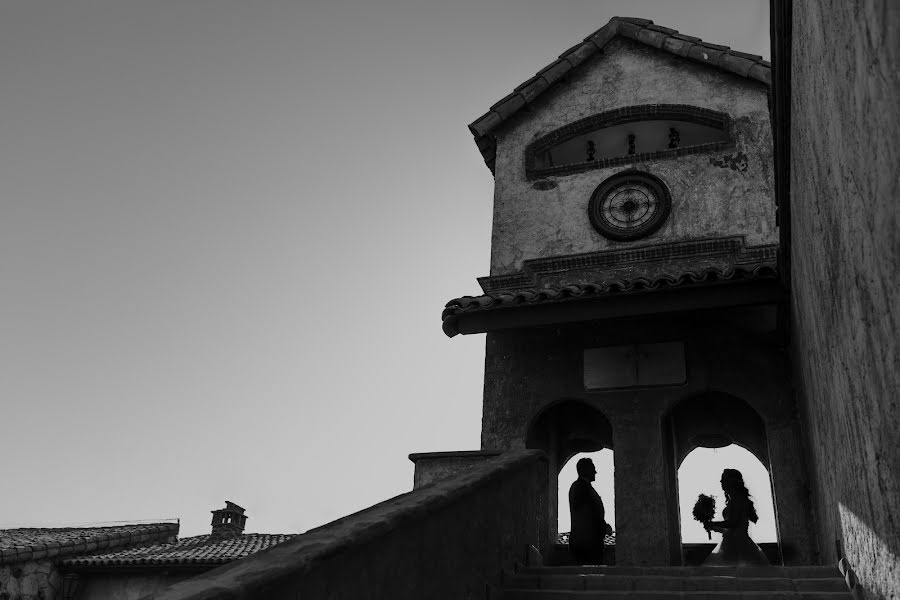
<point>634,365</point>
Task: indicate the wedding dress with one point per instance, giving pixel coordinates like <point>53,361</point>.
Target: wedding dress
<point>736,547</point>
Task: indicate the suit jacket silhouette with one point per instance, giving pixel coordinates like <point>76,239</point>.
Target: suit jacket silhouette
<point>588,516</point>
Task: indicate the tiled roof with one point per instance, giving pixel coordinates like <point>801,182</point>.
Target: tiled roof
<point>198,550</point>
<point>640,30</point>
<point>18,545</point>
<point>591,291</point>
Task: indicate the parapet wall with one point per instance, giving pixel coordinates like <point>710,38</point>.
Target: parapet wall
<point>448,540</point>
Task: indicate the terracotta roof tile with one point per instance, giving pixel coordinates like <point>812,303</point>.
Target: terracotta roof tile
<point>592,291</point>
<point>677,46</point>
<point>636,21</point>
<point>580,53</point>
<point>651,37</point>
<point>198,550</point>
<point>34,543</point>
<point>761,73</point>
<point>509,105</point>
<point>631,30</point>
<point>703,53</point>
<point>641,30</point>
<point>661,29</point>
<point>738,65</point>
<point>748,56</point>
<point>686,38</point>
<point>533,88</point>
<point>554,71</point>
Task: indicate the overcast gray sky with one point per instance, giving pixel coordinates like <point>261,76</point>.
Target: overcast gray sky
<point>228,229</point>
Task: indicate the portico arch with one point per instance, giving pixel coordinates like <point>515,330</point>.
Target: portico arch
<point>712,419</point>
<point>563,429</point>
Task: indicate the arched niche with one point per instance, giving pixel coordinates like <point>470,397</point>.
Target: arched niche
<point>625,135</point>
<point>562,430</point>
<point>700,472</point>
<point>712,419</point>
<point>604,461</point>
<point>716,420</point>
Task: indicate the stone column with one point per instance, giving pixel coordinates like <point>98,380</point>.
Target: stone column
<point>790,492</point>
<point>553,476</point>
<point>642,526</point>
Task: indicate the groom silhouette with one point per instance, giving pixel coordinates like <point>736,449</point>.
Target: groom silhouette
<point>588,516</point>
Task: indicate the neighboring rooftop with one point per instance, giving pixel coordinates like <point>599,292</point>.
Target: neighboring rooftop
<point>201,550</point>
<point>35,543</point>
<point>669,40</point>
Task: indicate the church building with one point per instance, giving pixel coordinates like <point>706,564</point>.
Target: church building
<point>691,248</point>
<point>633,301</point>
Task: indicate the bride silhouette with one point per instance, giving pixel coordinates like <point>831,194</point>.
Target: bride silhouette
<point>736,547</point>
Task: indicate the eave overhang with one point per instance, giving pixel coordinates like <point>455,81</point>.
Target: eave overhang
<point>596,302</point>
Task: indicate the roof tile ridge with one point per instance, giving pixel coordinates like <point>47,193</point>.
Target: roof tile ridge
<point>635,21</point>
<point>550,74</point>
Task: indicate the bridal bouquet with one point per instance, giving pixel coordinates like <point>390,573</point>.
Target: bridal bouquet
<point>705,510</point>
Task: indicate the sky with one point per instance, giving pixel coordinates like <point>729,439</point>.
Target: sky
<point>228,230</point>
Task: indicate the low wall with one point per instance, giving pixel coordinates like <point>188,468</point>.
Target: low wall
<point>127,586</point>
<point>448,540</point>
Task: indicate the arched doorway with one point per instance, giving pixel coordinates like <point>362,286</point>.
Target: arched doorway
<point>699,474</point>
<point>563,430</point>
<point>603,460</point>
<point>708,433</point>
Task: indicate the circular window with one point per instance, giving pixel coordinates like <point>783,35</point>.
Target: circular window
<point>629,206</point>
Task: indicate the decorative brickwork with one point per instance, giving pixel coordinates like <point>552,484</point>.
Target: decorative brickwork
<point>628,114</point>
<point>728,253</point>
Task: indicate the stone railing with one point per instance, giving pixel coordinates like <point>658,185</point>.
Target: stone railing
<point>448,540</point>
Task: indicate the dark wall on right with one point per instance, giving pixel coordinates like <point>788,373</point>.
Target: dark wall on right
<point>845,274</point>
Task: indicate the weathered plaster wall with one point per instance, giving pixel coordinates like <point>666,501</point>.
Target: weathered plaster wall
<point>527,371</point>
<point>124,587</point>
<point>707,200</point>
<point>845,257</point>
<point>446,541</point>
<point>30,580</point>
<point>434,466</point>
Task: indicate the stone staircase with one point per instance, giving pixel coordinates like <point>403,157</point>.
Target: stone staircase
<point>688,583</point>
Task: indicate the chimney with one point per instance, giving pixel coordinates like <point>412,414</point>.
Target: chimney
<point>228,522</point>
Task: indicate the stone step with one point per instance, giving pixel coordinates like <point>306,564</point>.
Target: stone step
<point>700,583</point>
<point>613,595</point>
<point>685,583</point>
<point>804,572</point>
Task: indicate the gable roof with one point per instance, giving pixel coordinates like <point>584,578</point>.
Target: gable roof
<point>201,550</point>
<point>36,543</point>
<point>639,30</point>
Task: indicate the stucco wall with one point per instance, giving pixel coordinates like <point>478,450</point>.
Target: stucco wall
<point>707,200</point>
<point>448,540</point>
<point>30,580</point>
<point>845,257</point>
<point>434,466</point>
<point>124,587</point>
